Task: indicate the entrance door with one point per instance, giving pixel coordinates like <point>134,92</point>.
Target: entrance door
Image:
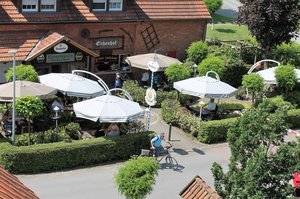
<point>55,68</point>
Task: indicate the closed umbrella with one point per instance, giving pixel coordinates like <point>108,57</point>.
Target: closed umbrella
<point>72,85</point>
<point>108,108</point>
<point>141,61</point>
<point>269,75</point>
<point>25,88</point>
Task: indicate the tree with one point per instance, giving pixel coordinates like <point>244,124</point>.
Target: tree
<point>286,78</point>
<point>135,179</point>
<point>213,6</point>
<point>271,22</point>
<point>177,72</point>
<point>29,107</point>
<point>212,63</point>
<point>197,51</point>
<point>254,83</point>
<point>261,163</point>
<point>23,72</point>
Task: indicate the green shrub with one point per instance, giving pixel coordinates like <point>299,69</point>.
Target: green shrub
<point>288,54</point>
<point>63,155</point>
<point>138,93</point>
<point>294,98</point>
<point>169,109</point>
<point>231,106</point>
<point>293,118</point>
<point>23,72</point>
<point>212,63</point>
<point>197,51</point>
<point>177,72</point>
<point>72,129</point>
<point>214,131</point>
<point>135,179</point>
<point>274,103</point>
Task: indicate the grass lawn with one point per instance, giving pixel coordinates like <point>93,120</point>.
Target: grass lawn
<point>226,29</point>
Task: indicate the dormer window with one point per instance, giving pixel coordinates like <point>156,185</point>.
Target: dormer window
<point>115,5</point>
<point>48,5</point>
<point>30,5</point>
<point>99,5</point>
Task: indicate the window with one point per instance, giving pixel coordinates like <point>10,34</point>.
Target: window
<point>30,5</point>
<point>115,4</point>
<point>48,5</point>
<point>99,5</point>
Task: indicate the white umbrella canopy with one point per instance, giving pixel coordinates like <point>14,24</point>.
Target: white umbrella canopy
<point>108,108</point>
<point>72,85</point>
<point>141,61</point>
<point>269,75</point>
<point>26,88</point>
<point>205,87</point>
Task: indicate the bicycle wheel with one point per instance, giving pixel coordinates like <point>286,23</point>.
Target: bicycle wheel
<point>172,162</point>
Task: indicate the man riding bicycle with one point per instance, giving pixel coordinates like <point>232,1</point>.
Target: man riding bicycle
<point>156,143</point>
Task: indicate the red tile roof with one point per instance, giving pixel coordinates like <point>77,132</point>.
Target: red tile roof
<point>77,10</point>
<point>23,41</point>
<point>12,188</point>
<point>198,189</point>
<point>29,44</point>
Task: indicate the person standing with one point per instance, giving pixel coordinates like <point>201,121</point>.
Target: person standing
<point>145,78</point>
<point>118,81</point>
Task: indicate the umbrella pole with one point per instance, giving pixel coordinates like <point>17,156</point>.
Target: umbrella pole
<point>200,113</point>
<point>149,112</point>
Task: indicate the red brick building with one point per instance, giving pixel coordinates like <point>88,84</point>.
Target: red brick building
<point>96,35</point>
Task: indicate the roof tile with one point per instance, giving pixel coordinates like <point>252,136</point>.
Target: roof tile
<point>77,10</point>
<point>198,189</point>
<point>12,188</point>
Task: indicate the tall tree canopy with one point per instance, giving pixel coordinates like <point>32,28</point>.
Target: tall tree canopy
<point>272,22</point>
<point>261,163</point>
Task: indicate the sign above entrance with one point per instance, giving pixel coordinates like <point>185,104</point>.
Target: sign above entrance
<point>108,43</point>
<point>61,48</point>
<point>56,58</point>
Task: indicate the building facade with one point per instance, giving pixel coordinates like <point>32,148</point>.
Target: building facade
<point>96,35</point>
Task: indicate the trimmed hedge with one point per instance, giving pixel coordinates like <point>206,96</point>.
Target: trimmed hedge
<point>204,131</point>
<point>214,131</point>
<point>63,155</point>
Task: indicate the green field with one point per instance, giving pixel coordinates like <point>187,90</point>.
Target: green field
<point>226,29</point>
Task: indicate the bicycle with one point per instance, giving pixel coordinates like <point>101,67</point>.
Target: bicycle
<point>170,161</point>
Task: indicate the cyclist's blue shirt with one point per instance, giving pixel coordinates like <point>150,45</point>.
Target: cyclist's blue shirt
<point>157,141</point>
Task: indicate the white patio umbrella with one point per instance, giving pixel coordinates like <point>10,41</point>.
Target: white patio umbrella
<point>205,87</point>
<point>141,61</point>
<point>72,84</point>
<point>25,88</point>
<point>269,75</point>
<point>108,108</point>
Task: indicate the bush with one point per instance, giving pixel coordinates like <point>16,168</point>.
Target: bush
<point>274,103</point>
<point>135,179</point>
<point>63,155</point>
<point>288,54</point>
<point>197,51</point>
<point>177,72</point>
<point>169,109</point>
<point>138,93</point>
<point>63,133</point>
<point>294,98</point>
<point>212,63</point>
<point>234,71</point>
<point>214,131</point>
<point>286,78</point>
<point>23,72</point>
<point>230,106</point>
<point>293,118</point>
